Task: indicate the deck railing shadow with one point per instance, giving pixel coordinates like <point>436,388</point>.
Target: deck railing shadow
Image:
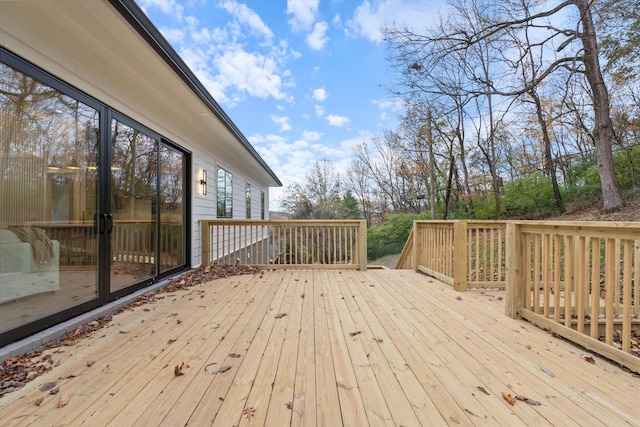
<point>580,280</point>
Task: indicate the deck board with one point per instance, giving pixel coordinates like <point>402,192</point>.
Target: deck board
<point>420,356</point>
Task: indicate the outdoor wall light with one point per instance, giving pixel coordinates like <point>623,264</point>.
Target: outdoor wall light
<point>203,182</point>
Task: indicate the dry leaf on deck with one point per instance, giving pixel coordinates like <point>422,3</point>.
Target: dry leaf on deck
<point>548,372</point>
<point>48,386</point>
<point>62,401</point>
<point>177,371</point>
<point>528,400</point>
<point>590,359</point>
<point>280,315</point>
<point>39,401</point>
<point>234,355</point>
<point>509,398</point>
<point>353,334</point>
<point>90,363</point>
<point>249,412</point>
<point>222,369</point>
<point>482,389</point>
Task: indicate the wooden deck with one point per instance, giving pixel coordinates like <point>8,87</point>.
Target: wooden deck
<point>380,347</point>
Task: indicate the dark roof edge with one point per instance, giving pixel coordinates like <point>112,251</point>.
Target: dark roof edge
<point>143,25</point>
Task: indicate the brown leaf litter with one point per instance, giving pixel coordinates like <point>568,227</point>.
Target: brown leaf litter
<point>17,371</point>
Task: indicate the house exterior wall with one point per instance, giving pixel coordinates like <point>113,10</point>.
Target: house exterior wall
<point>122,66</point>
<point>88,45</point>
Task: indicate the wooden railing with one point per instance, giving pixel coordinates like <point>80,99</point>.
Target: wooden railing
<point>285,244</point>
<point>461,253</point>
<point>580,280</point>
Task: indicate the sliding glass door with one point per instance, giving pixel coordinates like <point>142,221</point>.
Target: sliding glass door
<point>49,157</point>
<point>147,205</point>
<point>92,203</point>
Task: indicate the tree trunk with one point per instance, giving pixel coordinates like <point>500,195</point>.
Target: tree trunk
<point>549,165</point>
<point>603,131</point>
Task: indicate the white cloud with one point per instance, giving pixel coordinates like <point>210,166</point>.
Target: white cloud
<point>317,38</point>
<point>256,74</point>
<point>282,121</point>
<point>170,7</point>
<point>338,121</point>
<point>319,110</point>
<point>371,16</point>
<point>304,14</point>
<point>309,135</point>
<point>248,17</point>
<point>320,94</point>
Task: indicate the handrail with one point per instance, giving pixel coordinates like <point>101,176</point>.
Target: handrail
<point>285,243</point>
<point>461,253</point>
<point>579,279</point>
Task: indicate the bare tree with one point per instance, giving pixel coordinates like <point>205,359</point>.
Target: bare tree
<point>576,47</point>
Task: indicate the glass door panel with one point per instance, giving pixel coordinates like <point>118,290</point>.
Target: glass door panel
<point>134,177</point>
<point>48,199</point>
<point>172,239</point>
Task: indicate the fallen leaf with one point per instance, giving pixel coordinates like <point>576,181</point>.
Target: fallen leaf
<point>459,298</point>
<point>62,401</point>
<point>548,372</point>
<point>353,334</point>
<point>528,400</point>
<point>177,371</point>
<point>171,341</point>
<point>482,389</point>
<point>234,355</point>
<point>55,390</point>
<point>222,369</point>
<point>280,315</point>
<point>378,340</point>
<point>39,401</point>
<point>48,386</point>
<point>249,412</point>
<point>90,363</point>
<point>590,359</point>
<point>31,375</point>
<point>509,398</point>
<point>212,363</point>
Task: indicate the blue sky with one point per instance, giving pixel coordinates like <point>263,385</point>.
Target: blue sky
<point>303,80</point>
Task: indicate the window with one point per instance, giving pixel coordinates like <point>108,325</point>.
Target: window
<point>262,205</point>
<point>225,194</point>
<point>248,197</point>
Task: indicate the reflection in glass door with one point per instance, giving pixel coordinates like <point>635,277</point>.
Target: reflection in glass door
<point>48,198</point>
<point>134,177</point>
<point>172,238</point>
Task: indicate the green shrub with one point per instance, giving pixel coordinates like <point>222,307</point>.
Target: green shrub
<point>390,236</point>
<point>530,196</point>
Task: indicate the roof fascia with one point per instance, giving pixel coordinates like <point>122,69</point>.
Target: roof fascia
<point>143,25</point>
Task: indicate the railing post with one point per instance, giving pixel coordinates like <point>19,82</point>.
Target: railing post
<point>417,240</point>
<point>460,256</point>
<point>515,280</point>
<point>362,245</point>
<point>204,243</point>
